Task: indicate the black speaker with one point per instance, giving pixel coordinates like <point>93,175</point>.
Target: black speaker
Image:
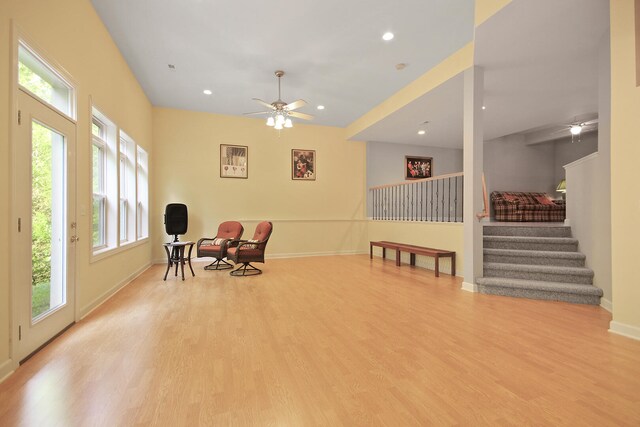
<point>176,219</point>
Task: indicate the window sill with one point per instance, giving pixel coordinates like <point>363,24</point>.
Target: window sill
<point>108,252</point>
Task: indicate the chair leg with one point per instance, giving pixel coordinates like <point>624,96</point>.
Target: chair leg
<point>216,265</point>
<point>246,269</point>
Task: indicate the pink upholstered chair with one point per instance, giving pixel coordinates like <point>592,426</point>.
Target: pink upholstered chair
<point>218,246</point>
<point>249,251</point>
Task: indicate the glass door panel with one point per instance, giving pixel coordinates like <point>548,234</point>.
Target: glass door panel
<point>48,201</point>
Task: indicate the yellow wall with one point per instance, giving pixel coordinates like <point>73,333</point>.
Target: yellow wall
<point>310,217</point>
<point>447,236</point>
<point>625,152</point>
<point>486,8</point>
<point>70,32</point>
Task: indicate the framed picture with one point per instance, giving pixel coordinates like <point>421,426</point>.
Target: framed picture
<point>303,165</point>
<point>418,167</point>
<point>234,161</point>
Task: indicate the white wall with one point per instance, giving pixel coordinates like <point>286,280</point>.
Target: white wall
<point>567,151</point>
<point>385,162</point>
<point>589,189</point>
<point>585,210</point>
<point>511,165</point>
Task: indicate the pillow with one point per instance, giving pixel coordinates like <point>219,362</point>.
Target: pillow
<point>250,246</point>
<point>544,200</point>
<point>510,198</point>
<point>218,242</point>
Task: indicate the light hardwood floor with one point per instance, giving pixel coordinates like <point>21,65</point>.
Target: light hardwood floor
<point>327,341</point>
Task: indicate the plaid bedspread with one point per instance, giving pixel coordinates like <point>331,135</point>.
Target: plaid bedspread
<point>525,207</point>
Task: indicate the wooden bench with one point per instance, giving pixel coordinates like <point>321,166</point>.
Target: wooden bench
<point>413,251</point>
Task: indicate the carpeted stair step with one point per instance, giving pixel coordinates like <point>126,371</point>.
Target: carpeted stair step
<point>561,244</point>
<point>578,275</point>
<point>512,256</point>
<point>568,292</point>
<point>527,231</point>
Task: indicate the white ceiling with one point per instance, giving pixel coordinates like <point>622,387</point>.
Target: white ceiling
<point>331,50</point>
<point>540,59</point>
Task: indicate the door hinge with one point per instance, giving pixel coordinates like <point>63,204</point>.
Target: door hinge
<point>19,333</point>
<point>19,225</point>
<point>19,117</point>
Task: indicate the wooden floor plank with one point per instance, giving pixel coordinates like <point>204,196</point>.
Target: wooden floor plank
<point>327,341</point>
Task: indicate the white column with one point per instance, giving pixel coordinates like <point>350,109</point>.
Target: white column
<point>473,203</point>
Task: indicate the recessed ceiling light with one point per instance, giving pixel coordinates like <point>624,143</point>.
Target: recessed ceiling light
<point>171,66</point>
<point>207,92</point>
<point>320,107</point>
<point>387,36</point>
<point>422,132</point>
<point>484,108</point>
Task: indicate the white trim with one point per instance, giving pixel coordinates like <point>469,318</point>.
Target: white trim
<point>278,256</point>
<point>469,287</point>
<point>109,251</point>
<point>87,309</point>
<point>606,304</point>
<point>581,160</point>
<point>628,331</point>
<point>6,369</point>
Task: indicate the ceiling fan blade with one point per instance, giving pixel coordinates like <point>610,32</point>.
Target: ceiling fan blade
<point>257,112</point>
<point>266,104</point>
<point>590,122</point>
<point>296,104</point>
<point>301,115</point>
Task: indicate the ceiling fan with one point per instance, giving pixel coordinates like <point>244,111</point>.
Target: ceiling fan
<point>280,112</point>
<point>577,128</point>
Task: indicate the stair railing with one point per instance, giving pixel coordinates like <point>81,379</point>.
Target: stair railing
<point>437,199</point>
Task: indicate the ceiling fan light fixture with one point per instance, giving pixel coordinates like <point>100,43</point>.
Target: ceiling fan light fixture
<point>279,119</point>
<point>288,123</point>
<point>271,121</point>
<point>575,129</point>
<point>278,126</point>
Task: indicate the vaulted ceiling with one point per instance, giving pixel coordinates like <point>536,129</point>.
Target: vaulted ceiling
<point>540,59</point>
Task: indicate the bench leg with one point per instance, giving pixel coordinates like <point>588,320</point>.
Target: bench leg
<point>384,253</point>
<point>370,251</point>
<point>437,265</point>
<point>453,264</point>
<point>413,259</point>
<point>398,257</point>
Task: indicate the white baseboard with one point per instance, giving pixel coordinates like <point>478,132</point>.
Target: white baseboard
<point>6,369</point>
<point>87,309</point>
<point>279,256</point>
<point>606,304</point>
<point>628,331</point>
<point>469,287</point>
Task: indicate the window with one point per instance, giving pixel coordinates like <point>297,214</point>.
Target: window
<point>104,185</point>
<point>38,78</point>
<point>142,178</point>
<point>99,148</point>
<point>120,187</point>
<point>127,189</point>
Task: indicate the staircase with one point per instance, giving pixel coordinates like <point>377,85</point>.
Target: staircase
<point>536,262</point>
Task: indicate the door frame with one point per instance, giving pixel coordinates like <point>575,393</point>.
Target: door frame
<point>17,36</point>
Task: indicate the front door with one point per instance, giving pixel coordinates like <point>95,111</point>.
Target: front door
<point>43,267</point>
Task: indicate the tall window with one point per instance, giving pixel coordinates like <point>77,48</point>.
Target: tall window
<point>99,148</point>
<point>127,189</point>
<point>104,185</point>
<point>142,178</point>
<point>124,200</point>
